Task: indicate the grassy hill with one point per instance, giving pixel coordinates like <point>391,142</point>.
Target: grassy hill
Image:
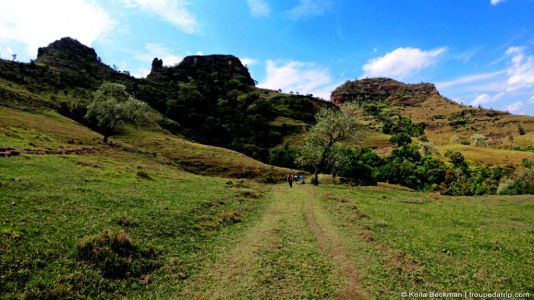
<point>448,125</point>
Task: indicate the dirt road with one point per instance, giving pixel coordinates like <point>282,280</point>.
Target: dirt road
<point>293,252</point>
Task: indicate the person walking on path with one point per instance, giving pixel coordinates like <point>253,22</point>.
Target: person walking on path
<point>290,180</point>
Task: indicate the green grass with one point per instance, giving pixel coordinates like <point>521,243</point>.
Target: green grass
<point>404,242</point>
<point>50,204</point>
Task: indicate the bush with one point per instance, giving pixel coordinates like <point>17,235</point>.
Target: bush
<point>115,254</point>
<point>478,140</point>
<point>520,182</point>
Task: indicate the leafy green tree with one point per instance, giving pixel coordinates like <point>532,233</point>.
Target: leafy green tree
<point>358,166</point>
<point>400,139</point>
<point>333,126</point>
<point>112,106</point>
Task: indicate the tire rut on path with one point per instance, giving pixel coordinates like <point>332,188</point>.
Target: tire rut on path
<point>277,258</point>
<point>330,242</point>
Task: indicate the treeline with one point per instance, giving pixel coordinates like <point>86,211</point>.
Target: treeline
<point>408,167</point>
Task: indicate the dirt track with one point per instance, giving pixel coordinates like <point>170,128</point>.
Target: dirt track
<point>292,252</point>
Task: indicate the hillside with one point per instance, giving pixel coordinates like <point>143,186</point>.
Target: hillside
<point>210,99</point>
<point>448,125</point>
<point>45,129</point>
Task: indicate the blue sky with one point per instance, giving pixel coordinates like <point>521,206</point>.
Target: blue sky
<point>478,52</point>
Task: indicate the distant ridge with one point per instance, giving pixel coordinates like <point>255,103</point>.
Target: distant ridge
<point>383,89</point>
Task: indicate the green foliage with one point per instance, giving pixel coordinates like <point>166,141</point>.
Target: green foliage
<point>332,127</point>
<point>438,117</point>
<point>459,119</point>
<point>521,130</point>
<point>112,106</point>
<point>358,167</point>
<point>478,140</point>
<point>283,156</point>
<point>401,124</point>
<point>519,182</point>
<point>401,139</point>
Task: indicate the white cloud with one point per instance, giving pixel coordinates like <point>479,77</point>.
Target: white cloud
<point>310,8</point>
<point>515,107</point>
<point>140,73</point>
<point>38,23</point>
<point>153,50</point>
<point>469,79</point>
<point>531,100</point>
<point>521,70</point>
<point>259,8</point>
<point>247,61</point>
<point>296,76</point>
<point>401,62</point>
<point>485,98</point>
<point>495,2</point>
<point>6,52</point>
<point>172,11</point>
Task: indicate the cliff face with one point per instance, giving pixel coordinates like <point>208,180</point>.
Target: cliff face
<point>384,90</point>
<point>201,66</point>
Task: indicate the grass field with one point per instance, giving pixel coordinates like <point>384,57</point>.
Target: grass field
<point>402,241</point>
<point>51,204</point>
<point>131,222</point>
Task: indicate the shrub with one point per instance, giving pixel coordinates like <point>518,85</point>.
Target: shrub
<point>143,174</point>
<point>115,254</point>
<point>520,182</point>
<point>478,140</point>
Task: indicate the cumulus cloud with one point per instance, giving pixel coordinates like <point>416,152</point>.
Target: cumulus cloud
<point>521,70</point>
<point>310,8</point>
<point>259,8</point>
<point>247,61</point>
<point>37,23</point>
<point>495,2</point>
<point>296,76</point>
<point>151,51</point>
<point>402,63</point>
<point>515,107</point>
<point>6,52</point>
<point>486,98</point>
<point>172,11</point>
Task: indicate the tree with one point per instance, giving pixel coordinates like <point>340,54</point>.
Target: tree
<point>333,126</point>
<point>112,106</point>
<point>401,139</point>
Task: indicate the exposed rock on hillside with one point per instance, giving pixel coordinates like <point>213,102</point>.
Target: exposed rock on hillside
<point>202,66</point>
<point>66,49</point>
<point>75,64</point>
<point>383,89</point>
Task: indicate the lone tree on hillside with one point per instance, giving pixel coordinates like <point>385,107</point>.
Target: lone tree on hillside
<point>112,106</point>
<point>333,126</point>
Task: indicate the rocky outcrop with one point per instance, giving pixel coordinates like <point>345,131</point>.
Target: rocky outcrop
<point>383,89</point>
<point>66,50</point>
<point>197,67</point>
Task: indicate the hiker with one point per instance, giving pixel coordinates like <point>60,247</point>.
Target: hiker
<point>290,180</point>
<point>301,179</point>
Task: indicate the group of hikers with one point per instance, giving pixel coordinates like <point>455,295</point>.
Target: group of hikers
<point>295,178</point>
